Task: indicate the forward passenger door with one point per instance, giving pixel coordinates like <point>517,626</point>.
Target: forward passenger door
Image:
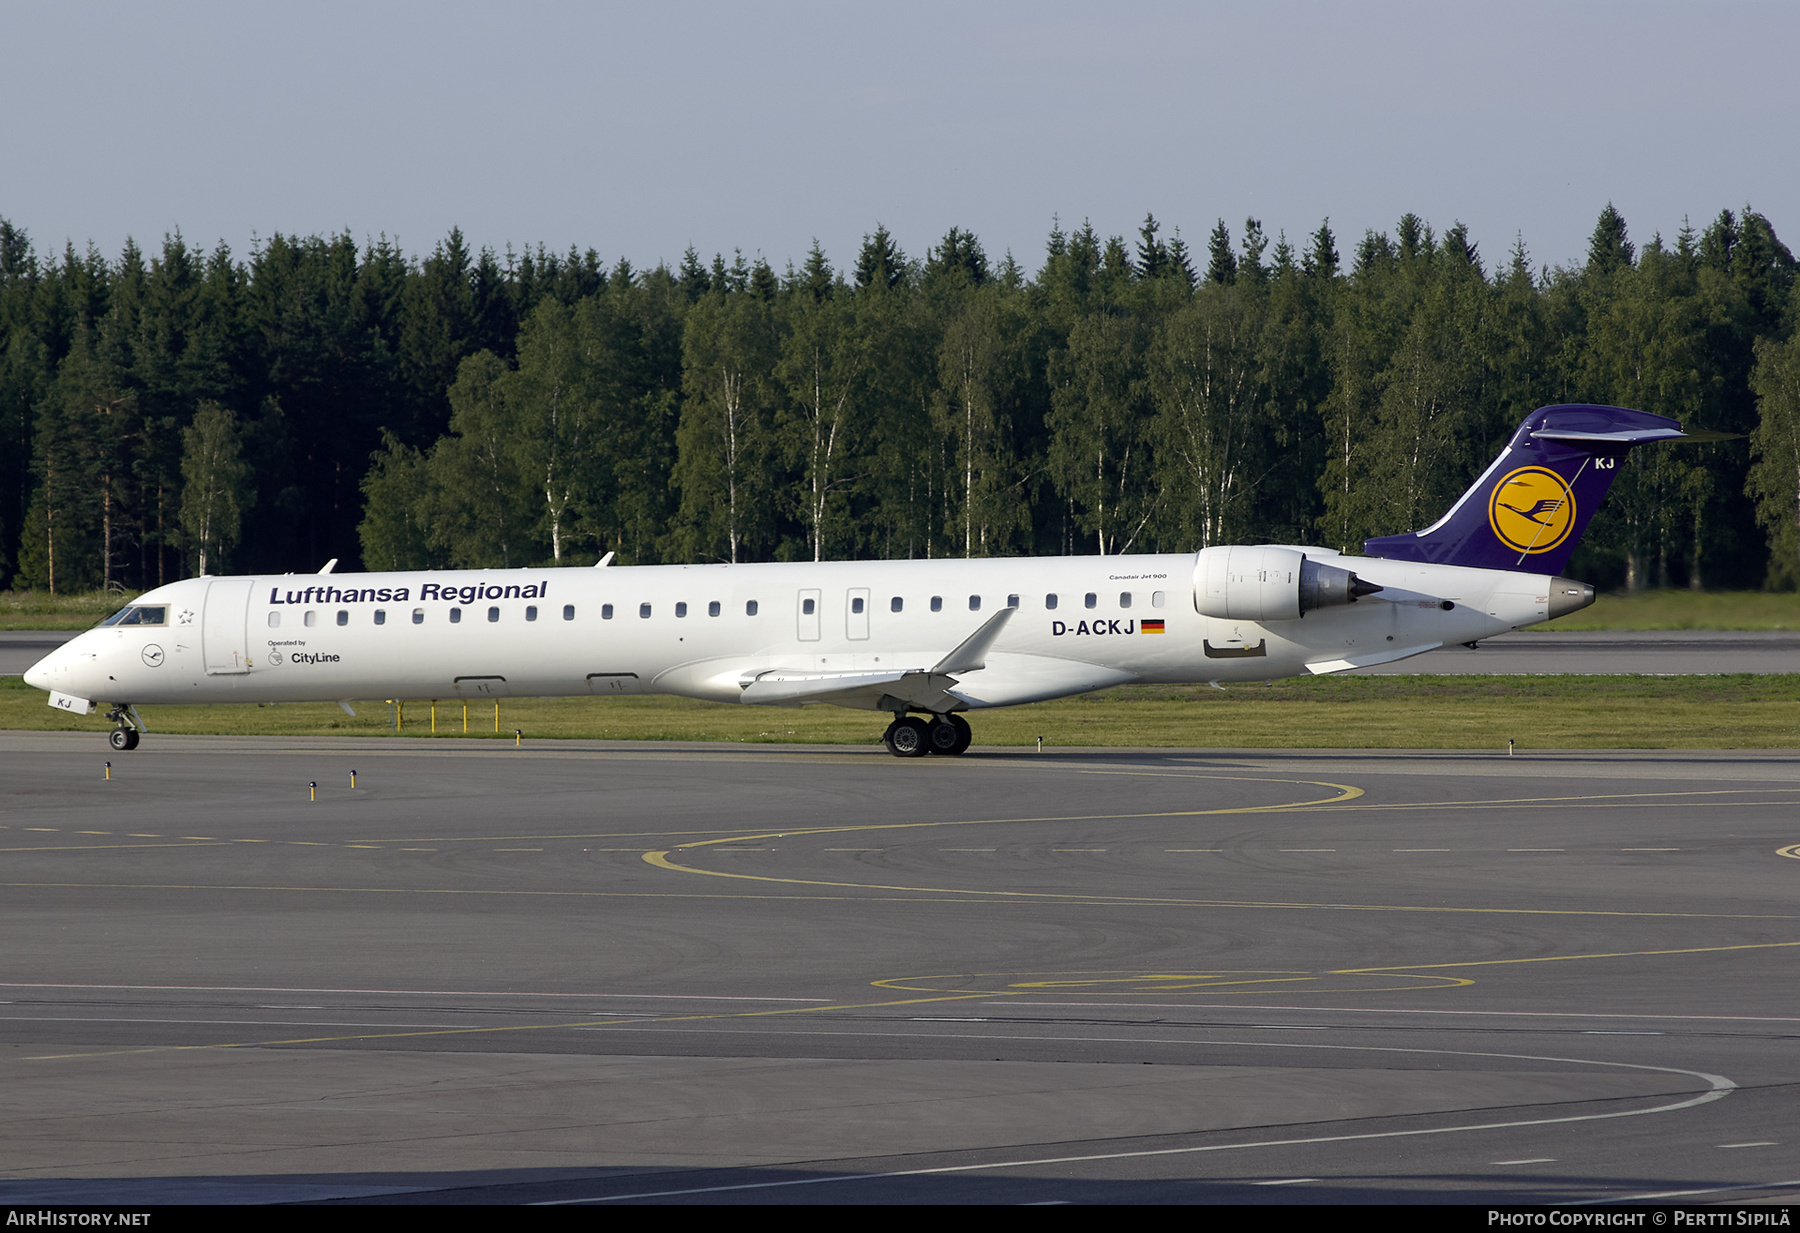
<point>224,636</point>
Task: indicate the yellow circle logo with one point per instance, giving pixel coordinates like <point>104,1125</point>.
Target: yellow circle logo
<point>1532,509</point>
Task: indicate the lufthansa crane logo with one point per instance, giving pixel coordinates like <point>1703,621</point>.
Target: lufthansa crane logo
<point>1532,509</point>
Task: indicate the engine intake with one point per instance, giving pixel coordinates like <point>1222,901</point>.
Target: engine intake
<point>1266,583</point>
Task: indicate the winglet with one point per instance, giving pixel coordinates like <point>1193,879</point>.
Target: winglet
<point>604,561</point>
<point>329,566</point>
<point>972,654</point>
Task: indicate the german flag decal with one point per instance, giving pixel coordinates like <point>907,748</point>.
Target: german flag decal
<point>1150,627</point>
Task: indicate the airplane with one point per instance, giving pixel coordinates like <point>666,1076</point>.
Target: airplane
<point>925,640</point>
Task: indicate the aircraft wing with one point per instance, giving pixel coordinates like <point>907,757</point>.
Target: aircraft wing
<point>1007,680</point>
<point>973,675</point>
<point>865,690</point>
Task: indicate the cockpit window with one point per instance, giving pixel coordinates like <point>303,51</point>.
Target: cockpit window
<point>139,615</point>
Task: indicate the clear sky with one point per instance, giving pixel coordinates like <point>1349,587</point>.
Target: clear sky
<point>638,129</point>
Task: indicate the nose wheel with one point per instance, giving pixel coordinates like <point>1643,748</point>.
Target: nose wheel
<point>125,736</point>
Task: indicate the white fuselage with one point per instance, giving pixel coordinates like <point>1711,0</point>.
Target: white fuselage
<point>708,631</point>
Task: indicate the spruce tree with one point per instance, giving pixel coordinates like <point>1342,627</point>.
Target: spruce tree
<point>1152,256</point>
<point>1250,266</point>
<point>880,260</point>
<point>1609,248</point>
<point>1181,263</point>
<point>1221,262</point>
<point>693,279</point>
<point>958,255</point>
<point>1321,260</point>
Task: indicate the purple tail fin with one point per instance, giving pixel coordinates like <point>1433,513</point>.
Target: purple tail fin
<point>1528,509</point>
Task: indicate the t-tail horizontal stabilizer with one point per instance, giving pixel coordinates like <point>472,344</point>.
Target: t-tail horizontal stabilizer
<point>1530,507</point>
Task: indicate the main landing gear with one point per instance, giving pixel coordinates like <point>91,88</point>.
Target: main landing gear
<point>125,736</point>
<point>911,737</point>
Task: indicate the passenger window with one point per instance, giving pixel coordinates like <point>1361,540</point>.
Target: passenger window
<point>274,620</point>
<point>1050,602</point>
<point>712,609</point>
<point>310,619</point>
<point>605,612</point>
<point>1157,598</point>
<point>531,612</point>
<point>381,616</point>
<point>343,617</point>
<point>806,606</point>
<point>1012,601</point>
<point>937,603</point>
<point>418,616</point>
<point>896,604</point>
<point>681,609</point>
<point>750,608</point>
<point>1091,600</point>
<point>856,605</point>
<point>455,616</point>
<point>1124,599</point>
<point>493,615</point>
<point>644,611</point>
<point>974,603</point>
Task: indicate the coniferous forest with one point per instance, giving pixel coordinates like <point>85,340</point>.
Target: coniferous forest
<point>177,411</point>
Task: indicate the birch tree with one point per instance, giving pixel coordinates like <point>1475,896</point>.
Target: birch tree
<point>1206,386</point>
<point>1099,455</point>
<point>479,505</point>
<point>552,404</point>
<point>979,364</point>
<point>821,368</point>
<point>1775,447</point>
<point>213,490</point>
<point>729,352</point>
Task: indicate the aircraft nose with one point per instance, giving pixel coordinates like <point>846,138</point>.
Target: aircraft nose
<point>59,670</point>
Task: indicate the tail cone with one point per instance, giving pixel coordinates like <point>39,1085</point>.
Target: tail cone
<point>1567,595</point>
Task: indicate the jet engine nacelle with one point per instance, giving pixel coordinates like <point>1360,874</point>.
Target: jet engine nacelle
<point>1266,583</point>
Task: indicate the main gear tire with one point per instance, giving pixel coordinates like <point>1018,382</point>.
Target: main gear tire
<point>908,737</point>
<point>950,735</point>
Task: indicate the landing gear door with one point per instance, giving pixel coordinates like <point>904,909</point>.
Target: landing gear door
<point>224,634</point>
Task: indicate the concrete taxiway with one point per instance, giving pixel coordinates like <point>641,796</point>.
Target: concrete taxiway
<point>591,972</point>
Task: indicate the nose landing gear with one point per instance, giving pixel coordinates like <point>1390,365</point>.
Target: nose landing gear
<point>125,736</point>
<point>911,737</point>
